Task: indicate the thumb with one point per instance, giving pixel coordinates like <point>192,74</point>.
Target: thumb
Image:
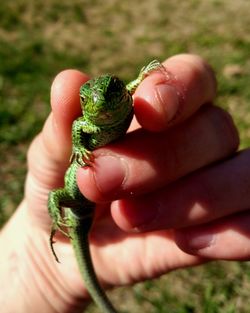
<point>48,155</point>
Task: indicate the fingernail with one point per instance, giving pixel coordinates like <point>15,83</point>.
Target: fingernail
<point>200,241</point>
<point>168,99</point>
<point>145,221</point>
<point>141,216</point>
<point>110,173</point>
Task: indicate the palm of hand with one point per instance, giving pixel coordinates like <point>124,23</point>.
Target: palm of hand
<point>122,258</point>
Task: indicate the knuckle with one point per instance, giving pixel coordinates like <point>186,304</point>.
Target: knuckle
<point>225,128</point>
<point>202,73</point>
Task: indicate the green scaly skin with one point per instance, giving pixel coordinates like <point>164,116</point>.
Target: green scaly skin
<point>108,110</point>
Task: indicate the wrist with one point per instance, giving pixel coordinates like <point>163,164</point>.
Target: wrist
<point>29,279</point>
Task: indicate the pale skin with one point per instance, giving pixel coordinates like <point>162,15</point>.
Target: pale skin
<point>162,147</point>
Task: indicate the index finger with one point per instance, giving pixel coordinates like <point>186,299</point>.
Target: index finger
<point>167,97</point>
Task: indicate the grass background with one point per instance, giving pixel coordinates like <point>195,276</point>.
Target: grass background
<point>40,38</point>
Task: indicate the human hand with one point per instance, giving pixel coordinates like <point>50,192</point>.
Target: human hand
<point>175,136</point>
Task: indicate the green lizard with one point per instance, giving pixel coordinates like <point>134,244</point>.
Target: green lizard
<point>108,110</point>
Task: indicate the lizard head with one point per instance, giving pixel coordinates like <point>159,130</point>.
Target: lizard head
<point>105,100</point>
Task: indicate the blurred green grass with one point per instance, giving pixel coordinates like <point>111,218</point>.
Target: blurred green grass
<point>40,38</point>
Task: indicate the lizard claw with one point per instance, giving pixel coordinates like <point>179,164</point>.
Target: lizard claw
<point>82,158</point>
<point>52,241</point>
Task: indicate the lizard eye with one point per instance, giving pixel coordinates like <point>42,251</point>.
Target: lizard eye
<point>82,99</point>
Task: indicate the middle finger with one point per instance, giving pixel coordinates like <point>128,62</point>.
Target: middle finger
<point>145,161</point>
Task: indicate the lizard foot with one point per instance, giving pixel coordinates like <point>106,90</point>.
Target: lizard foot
<point>82,157</point>
<point>59,226</point>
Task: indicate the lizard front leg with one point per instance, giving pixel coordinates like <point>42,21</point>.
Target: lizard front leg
<point>144,72</point>
<point>81,130</point>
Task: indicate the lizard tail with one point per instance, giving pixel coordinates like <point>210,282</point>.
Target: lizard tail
<point>81,247</point>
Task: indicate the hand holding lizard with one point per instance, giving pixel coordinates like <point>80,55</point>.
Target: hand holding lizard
<point>175,135</point>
